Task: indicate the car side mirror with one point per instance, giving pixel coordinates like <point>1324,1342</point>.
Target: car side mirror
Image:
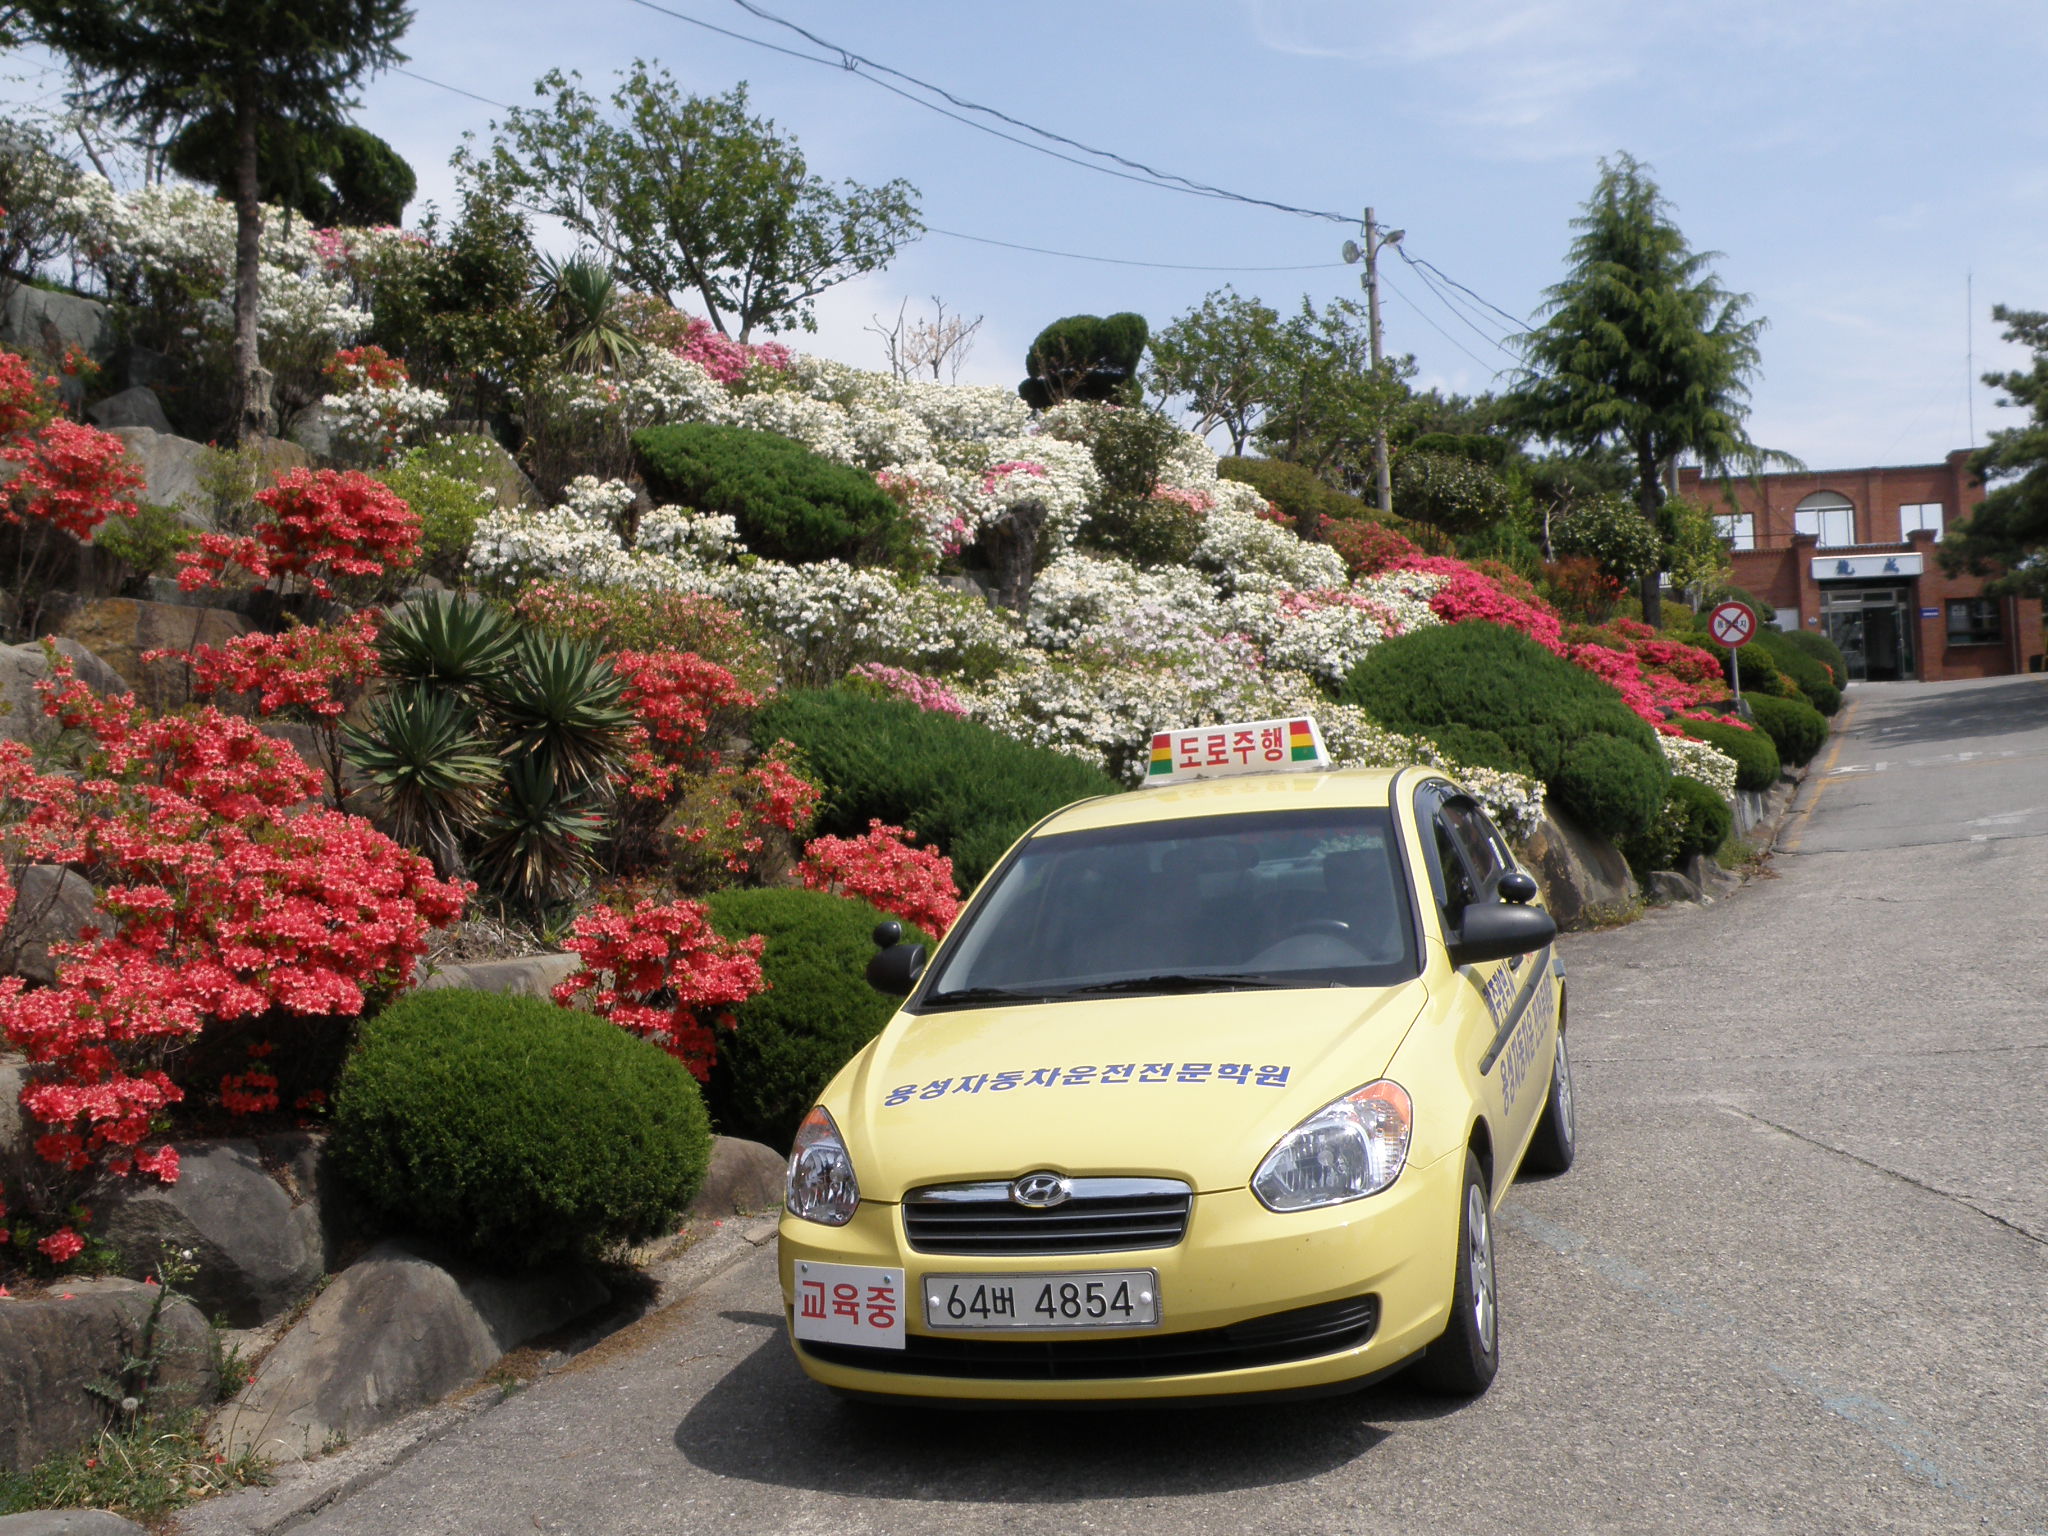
<point>1495,930</point>
<point>896,965</point>
<point>1517,886</point>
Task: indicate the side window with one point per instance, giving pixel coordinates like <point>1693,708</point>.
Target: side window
<point>1484,849</point>
<point>1458,891</point>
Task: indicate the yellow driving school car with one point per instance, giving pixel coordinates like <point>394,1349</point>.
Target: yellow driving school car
<point>1213,1090</point>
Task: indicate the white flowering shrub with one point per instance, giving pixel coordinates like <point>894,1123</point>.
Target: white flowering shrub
<point>699,540</point>
<point>1698,760</point>
<point>376,424</point>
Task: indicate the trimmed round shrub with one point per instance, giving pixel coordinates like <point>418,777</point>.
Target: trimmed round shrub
<point>1822,650</point>
<point>1756,755</point>
<point>1693,819</point>
<point>962,788</point>
<point>1492,692</point>
<point>790,504</point>
<point>1761,674</point>
<point>815,1016</point>
<point>1795,725</point>
<point>514,1131</point>
<point>1298,492</point>
<point>1609,786</point>
<point>1809,675</point>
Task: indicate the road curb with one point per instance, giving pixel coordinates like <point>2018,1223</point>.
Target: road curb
<point>303,1489</point>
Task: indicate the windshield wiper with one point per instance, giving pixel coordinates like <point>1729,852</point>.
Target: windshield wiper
<point>967,997</point>
<point>1184,981</point>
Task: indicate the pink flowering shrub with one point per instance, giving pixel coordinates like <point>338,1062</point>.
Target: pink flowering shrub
<point>69,476</point>
<point>663,973</point>
<point>1369,549</point>
<point>228,897</point>
<point>882,869</point>
<point>322,523</point>
<point>723,358</point>
<point>927,693</point>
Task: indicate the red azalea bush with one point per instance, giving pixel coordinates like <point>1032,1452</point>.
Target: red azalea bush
<point>676,698</point>
<point>742,821</point>
<point>228,897</point>
<point>1581,590</point>
<point>323,522</point>
<point>319,669</point>
<point>663,973</point>
<point>358,368</point>
<point>619,620</point>
<point>70,476</point>
<point>25,400</point>
<point>882,869</point>
<point>1368,548</point>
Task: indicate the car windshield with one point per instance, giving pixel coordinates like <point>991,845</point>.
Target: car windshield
<point>1276,899</point>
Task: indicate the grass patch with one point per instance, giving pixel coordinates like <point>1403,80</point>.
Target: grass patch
<point>144,1474</point>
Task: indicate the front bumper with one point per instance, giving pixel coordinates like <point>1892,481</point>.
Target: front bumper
<point>1250,1302</point>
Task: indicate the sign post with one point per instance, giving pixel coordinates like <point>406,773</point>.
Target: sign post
<point>1733,625</point>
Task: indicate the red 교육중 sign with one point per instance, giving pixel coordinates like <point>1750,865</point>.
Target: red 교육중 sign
<point>1732,624</point>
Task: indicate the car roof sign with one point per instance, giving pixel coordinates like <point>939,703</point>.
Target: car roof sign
<point>1285,745</point>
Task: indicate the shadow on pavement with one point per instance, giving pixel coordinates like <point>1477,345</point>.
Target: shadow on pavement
<point>767,1423</point>
<point>1932,713</point>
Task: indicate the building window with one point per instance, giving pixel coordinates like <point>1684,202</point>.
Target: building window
<point>1828,514</point>
<point>1975,621</point>
<point>1917,515</point>
<point>1738,528</point>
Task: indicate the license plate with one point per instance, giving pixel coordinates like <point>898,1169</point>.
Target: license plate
<point>1101,1298</point>
<point>849,1304</point>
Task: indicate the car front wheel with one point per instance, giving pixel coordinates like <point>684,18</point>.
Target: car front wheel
<point>1463,1362</point>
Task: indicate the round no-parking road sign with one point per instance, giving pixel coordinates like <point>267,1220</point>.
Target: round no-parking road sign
<point>1732,624</point>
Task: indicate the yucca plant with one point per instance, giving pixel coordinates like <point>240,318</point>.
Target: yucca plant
<point>582,298</point>
<point>427,763</point>
<point>538,843</point>
<point>459,643</point>
<point>557,704</point>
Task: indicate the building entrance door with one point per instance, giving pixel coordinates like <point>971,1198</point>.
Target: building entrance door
<point>1874,627</point>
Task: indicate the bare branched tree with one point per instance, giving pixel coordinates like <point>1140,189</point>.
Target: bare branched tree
<point>939,345</point>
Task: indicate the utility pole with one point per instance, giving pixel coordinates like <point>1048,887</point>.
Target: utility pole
<point>1374,240</point>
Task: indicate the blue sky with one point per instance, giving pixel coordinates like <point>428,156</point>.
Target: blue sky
<point>1854,161</point>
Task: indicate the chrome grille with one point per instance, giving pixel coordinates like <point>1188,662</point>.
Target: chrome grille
<point>1105,1215</point>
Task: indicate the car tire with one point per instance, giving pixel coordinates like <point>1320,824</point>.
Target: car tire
<point>1463,1362</point>
<point>1557,1134</point>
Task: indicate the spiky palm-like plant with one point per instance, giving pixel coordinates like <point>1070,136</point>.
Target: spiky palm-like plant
<point>582,297</point>
<point>461,644</point>
<point>557,703</point>
<point>434,772</point>
<point>538,843</point>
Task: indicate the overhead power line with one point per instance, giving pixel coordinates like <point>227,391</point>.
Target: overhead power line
<point>1518,327</point>
<point>1120,261</point>
<point>445,86</point>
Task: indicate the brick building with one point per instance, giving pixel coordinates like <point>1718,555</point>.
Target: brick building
<point>1849,553</point>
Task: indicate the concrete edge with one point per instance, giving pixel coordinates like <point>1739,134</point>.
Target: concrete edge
<point>303,1489</point>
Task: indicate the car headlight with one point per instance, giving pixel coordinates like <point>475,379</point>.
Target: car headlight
<point>822,1187</point>
<point>1347,1150</point>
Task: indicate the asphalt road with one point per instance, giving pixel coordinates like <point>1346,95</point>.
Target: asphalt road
<point>1795,1284</point>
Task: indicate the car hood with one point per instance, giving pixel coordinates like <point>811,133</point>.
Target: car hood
<point>1195,1087</point>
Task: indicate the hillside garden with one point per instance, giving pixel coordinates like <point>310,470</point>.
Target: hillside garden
<point>763,648</point>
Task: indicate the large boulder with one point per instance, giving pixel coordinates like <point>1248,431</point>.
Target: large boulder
<point>52,905</point>
<point>23,666</point>
<point>14,1127</point>
<point>501,472</point>
<point>394,1332</point>
<point>136,407</point>
<point>527,976</point>
<point>742,1177</point>
<point>45,325</point>
<point>83,1332</point>
<point>119,630</point>
<point>256,1252</point>
<point>1582,875</point>
<point>176,471</point>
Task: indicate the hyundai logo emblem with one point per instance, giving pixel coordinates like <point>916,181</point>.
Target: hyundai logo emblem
<point>1041,1191</point>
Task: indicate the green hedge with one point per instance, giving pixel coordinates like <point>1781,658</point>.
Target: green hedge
<point>1757,765</point>
<point>515,1131</point>
<point>963,788</point>
<point>1822,650</point>
<point>1495,698</point>
<point>1809,674</point>
<point>790,504</point>
<point>817,1013</point>
<point>1795,725</point>
<point>1693,819</point>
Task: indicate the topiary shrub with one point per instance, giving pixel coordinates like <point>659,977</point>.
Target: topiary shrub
<point>1608,785</point>
<point>1794,725</point>
<point>1085,357</point>
<point>790,504</point>
<point>1808,673</point>
<point>1298,492</point>
<point>1492,692</point>
<point>1822,650</point>
<point>1757,766</point>
<point>515,1131</point>
<point>960,786</point>
<point>1693,819</point>
<point>817,1013</point>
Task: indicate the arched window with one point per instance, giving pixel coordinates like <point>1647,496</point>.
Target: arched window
<point>1829,514</point>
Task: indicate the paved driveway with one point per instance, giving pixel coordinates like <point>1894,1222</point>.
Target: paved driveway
<point>1796,1283</point>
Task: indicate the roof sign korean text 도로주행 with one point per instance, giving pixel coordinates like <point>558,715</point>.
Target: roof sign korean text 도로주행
<point>1246,746</point>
